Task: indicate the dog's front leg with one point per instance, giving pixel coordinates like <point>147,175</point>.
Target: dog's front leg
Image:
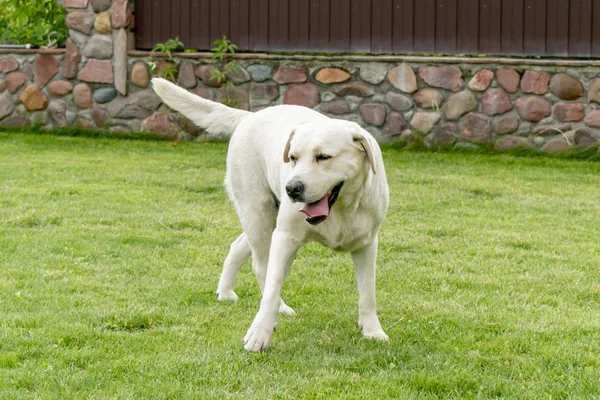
<point>364,266</point>
<point>281,255</point>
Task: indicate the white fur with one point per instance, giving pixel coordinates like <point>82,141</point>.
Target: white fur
<point>257,172</point>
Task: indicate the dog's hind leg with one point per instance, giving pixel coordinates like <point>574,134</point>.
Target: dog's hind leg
<point>239,252</point>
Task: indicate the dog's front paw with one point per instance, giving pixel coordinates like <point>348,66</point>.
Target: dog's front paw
<point>258,337</point>
<point>226,295</point>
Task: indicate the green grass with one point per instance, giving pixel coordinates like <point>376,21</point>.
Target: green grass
<point>110,252</point>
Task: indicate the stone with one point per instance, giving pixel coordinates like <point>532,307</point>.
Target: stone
<point>305,94</point>
<point>121,14</point>
<point>259,72</point>
<point>238,76</point>
<point>60,88</point>
<point>14,81</point>
<point>81,21</point>
<point>357,89</point>
<point>6,107</point>
<point>140,75</point>
<point>566,87</point>
<point>535,82</point>
<point>585,138</point>
<point>99,47</point>
<point>290,74</point>
<point>508,79</point>
<point>332,75</point>
<point>510,142</point>
<point>82,95</point>
<point>496,102</point>
<point>57,112</point>
<point>551,130</point>
<point>187,77</point>
<point>120,62</point>
<point>206,93</point>
<point>396,124</point>
<point>403,77</point>
<point>33,99</point>
<point>476,128</point>
<point>45,68</point>
<point>263,93</point>
<point>507,124</point>
<point>397,101</point>
<point>71,59</point>
<point>424,121</point>
<point>459,104</point>
<point>102,23</point>
<point>27,69</point>
<point>556,146</point>
<point>79,38</point>
<point>138,105</point>
<point>445,134</point>
<point>449,78</point>
<point>567,112</point>
<point>429,98</point>
<point>99,116</point>
<point>336,107</point>
<point>594,91</point>
<point>373,73</point>
<point>205,72</point>
<point>373,114</point>
<point>533,109</point>
<point>98,71</point>
<point>75,3</point>
<point>17,121</point>
<point>8,65</point>
<point>481,80</point>
<point>593,119</point>
<point>101,5</point>
<point>104,95</point>
<point>83,123</point>
<point>2,86</point>
<point>159,123</point>
<point>187,125</point>
<point>239,96</point>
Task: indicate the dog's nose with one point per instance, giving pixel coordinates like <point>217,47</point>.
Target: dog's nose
<point>294,189</point>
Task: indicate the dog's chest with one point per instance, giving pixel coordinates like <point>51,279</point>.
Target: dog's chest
<point>346,231</point>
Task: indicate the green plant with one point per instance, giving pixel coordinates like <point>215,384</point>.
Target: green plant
<point>168,47</point>
<point>225,47</point>
<point>167,71</point>
<point>38,22</point>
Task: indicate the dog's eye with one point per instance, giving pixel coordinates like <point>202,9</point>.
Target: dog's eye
<point>292,158</point>
<point>321,157</point>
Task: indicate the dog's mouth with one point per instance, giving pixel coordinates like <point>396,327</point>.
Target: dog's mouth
<point>318,211</point>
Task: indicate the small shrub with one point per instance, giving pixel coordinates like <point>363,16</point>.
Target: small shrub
<point>37,22</point>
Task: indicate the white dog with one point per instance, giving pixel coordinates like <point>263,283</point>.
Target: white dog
<point>294,176</point>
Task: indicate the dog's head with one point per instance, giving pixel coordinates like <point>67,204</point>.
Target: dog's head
<point>328,160</point>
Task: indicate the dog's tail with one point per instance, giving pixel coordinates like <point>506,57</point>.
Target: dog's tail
<point>216,118</point>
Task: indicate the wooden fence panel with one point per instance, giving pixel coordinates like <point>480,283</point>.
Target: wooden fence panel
<point>495,27</point>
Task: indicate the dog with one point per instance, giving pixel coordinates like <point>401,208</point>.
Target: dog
<point>294,176</point>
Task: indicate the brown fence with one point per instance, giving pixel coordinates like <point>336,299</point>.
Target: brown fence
<point>504,27</point>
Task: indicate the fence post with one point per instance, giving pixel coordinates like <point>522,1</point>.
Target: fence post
<point>100,35</point>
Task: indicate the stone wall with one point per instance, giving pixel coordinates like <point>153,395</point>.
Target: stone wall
<point>465,102</point>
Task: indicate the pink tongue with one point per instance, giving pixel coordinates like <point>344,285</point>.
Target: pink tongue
<point>317,209</point>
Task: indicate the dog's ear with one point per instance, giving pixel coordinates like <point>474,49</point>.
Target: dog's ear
<point>286,151</point>
<point>362,142</point>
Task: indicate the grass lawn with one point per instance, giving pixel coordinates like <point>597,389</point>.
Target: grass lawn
<point>110,253</point>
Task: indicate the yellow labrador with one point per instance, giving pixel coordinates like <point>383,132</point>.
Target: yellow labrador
<point>294,176</point>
